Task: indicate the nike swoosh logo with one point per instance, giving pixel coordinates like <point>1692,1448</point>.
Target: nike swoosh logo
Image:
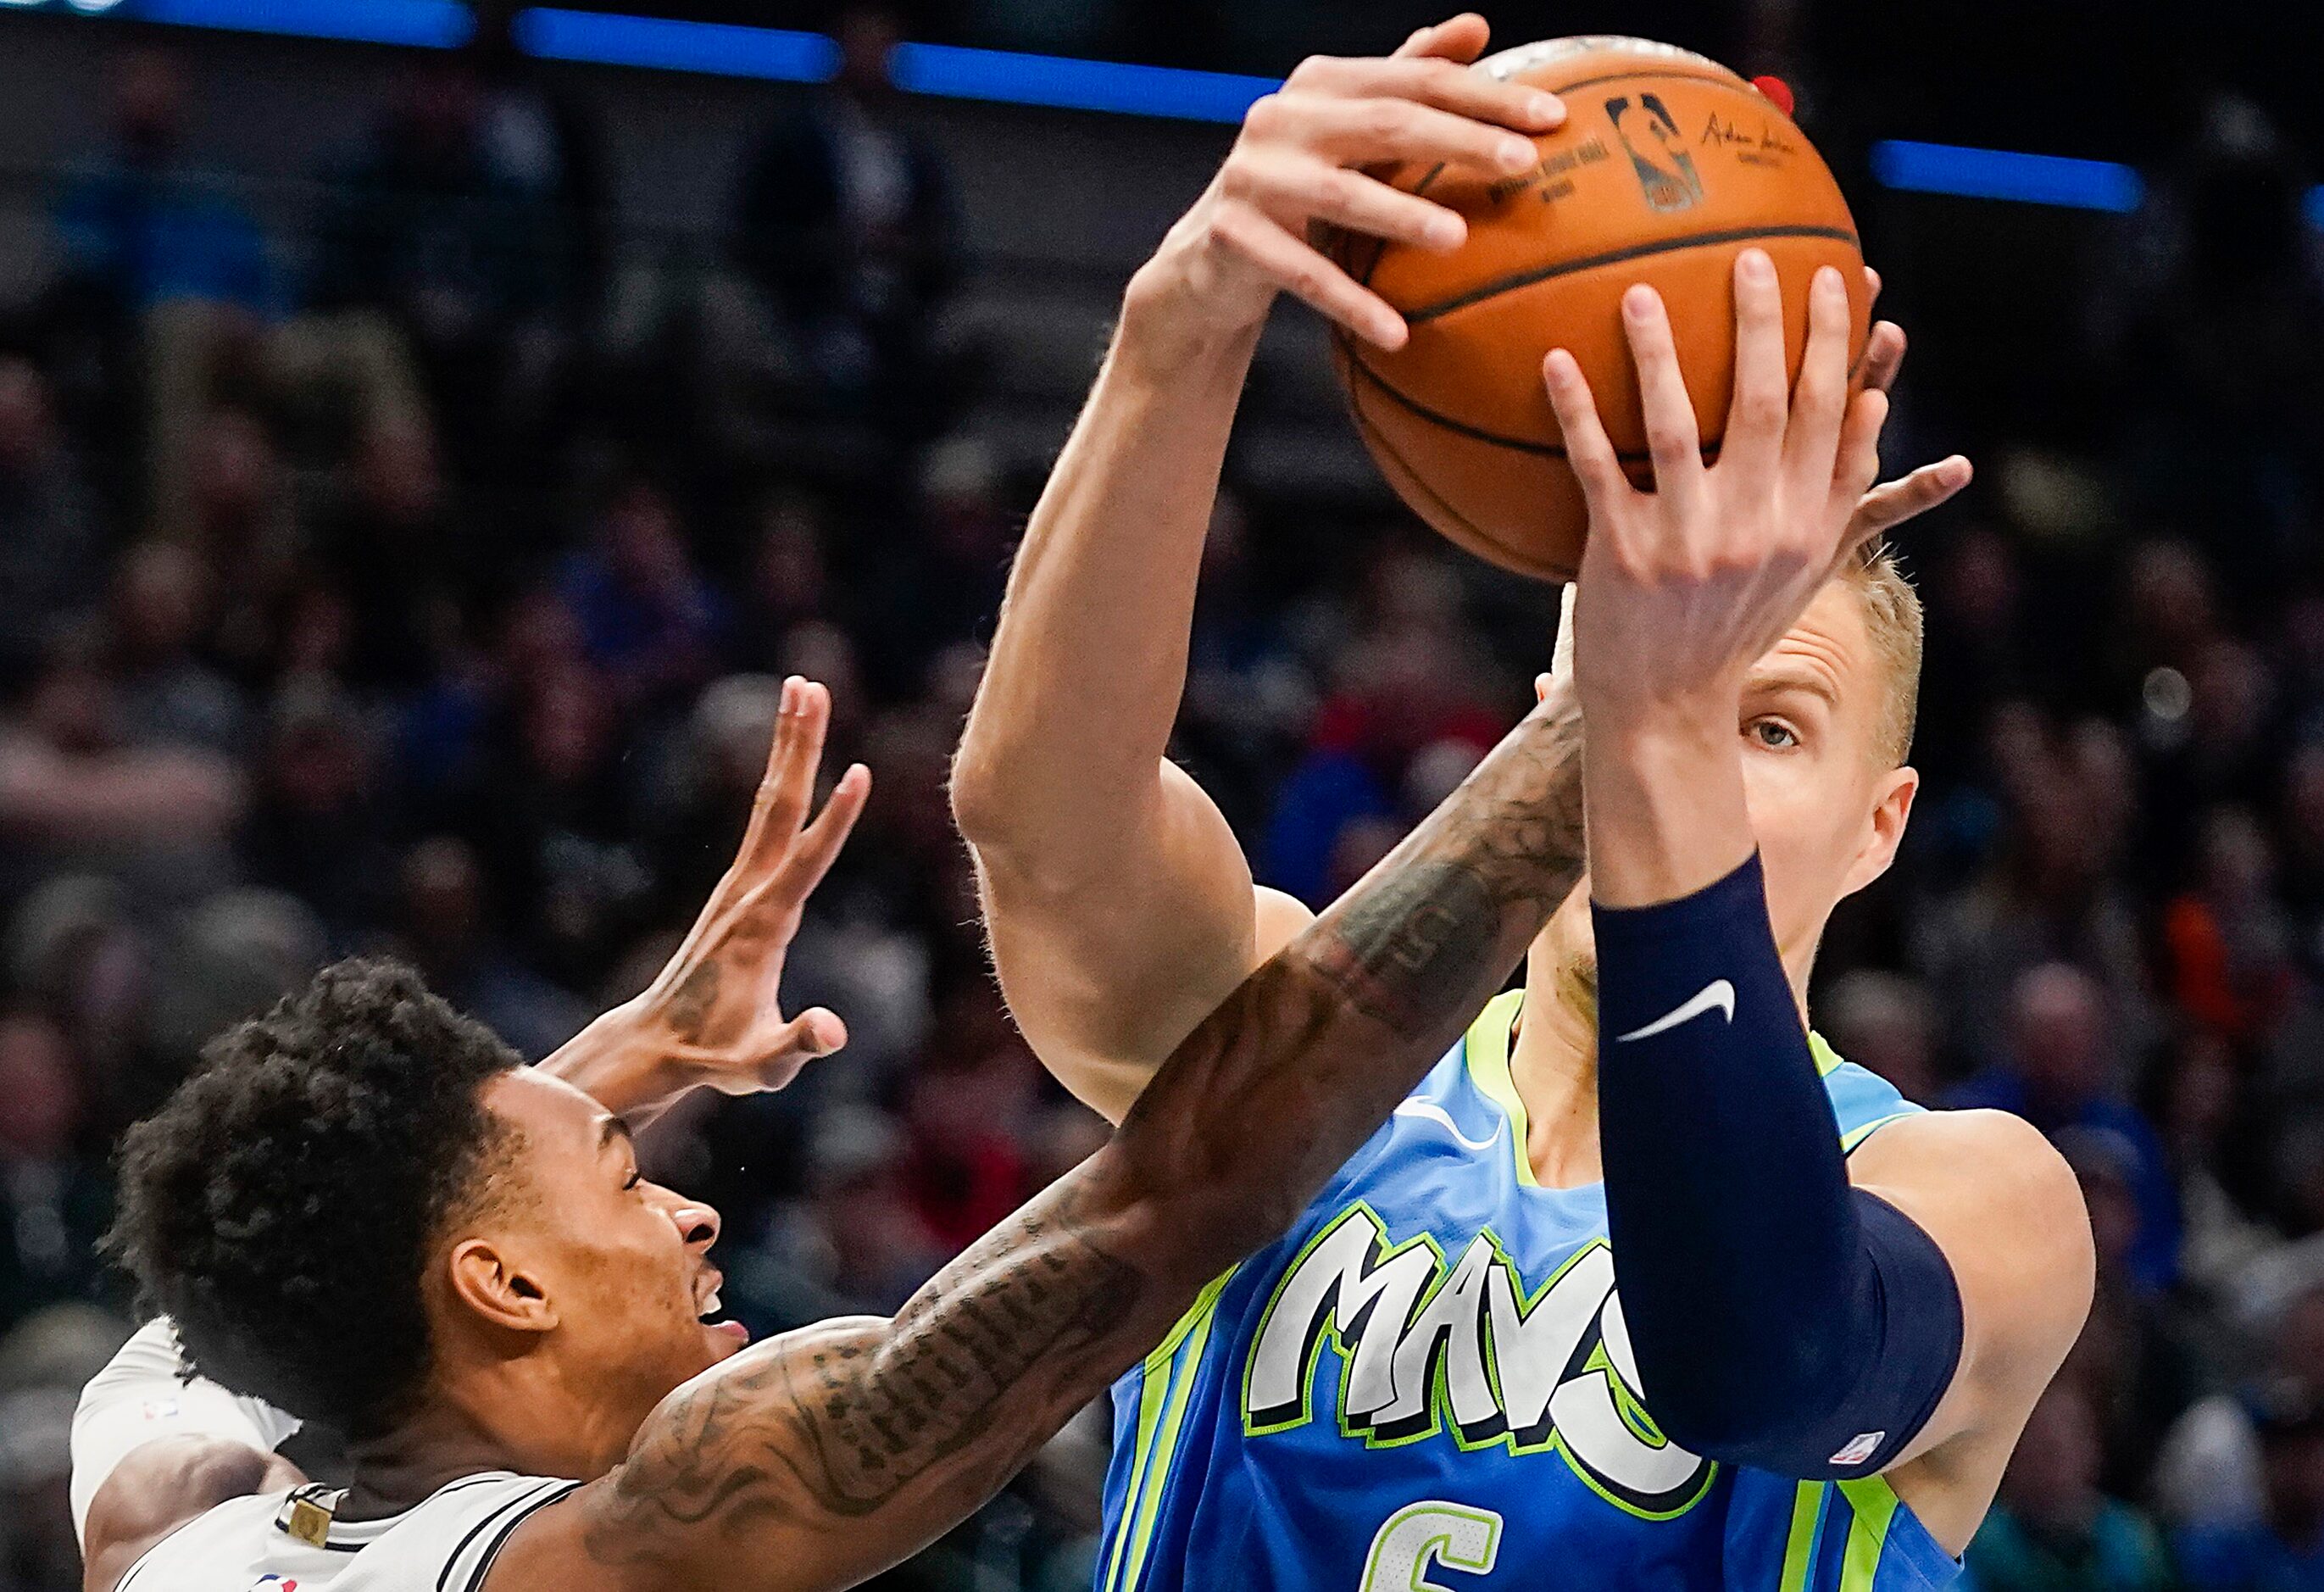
<point>1428,1110</point>
<point>1718,996</point>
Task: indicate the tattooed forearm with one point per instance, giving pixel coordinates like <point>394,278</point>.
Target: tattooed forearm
<point>1408,942</point>
<point>983,1364</point>
<point>1037,1293</point>
<point>850,1445</point>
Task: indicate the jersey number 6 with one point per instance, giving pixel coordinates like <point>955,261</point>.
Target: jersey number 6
<point>1432,1532</point>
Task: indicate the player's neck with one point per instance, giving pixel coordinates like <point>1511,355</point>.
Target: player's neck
<point>436,1446</point>
<point>464,1426</point>
<point>1553,1065</point>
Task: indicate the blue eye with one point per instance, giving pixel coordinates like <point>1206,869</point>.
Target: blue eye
<point>1774,733</point>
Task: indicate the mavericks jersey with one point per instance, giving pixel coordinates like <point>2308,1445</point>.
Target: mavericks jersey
<point>282,1542</point>
<point>1427,1384</point>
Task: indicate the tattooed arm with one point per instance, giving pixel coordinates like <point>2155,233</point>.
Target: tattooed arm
<point>818,1459</point>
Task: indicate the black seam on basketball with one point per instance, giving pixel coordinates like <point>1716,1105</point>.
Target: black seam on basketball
<point>1378,440</point>
<point>1515,444</point>
<point>1509,284</point>
<point>1718,79</point>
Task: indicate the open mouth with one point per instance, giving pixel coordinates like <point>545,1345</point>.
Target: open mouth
<point>710,1307</point>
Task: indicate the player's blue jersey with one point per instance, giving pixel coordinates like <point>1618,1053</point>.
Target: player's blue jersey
<point>1427,1384</point>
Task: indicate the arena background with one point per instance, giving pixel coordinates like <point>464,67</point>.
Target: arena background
<point>419,461</point>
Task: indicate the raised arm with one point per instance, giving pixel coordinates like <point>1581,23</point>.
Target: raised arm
<point>817,1459</point>
<point>1789,1308</point>
<point>713,1017</point>
<point>1120,904</point>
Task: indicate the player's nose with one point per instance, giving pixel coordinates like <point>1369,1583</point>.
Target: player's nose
<point>697,1222</point>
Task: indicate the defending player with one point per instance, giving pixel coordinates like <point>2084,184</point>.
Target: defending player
<point>366,1211</point>
<point>1835,1310</point>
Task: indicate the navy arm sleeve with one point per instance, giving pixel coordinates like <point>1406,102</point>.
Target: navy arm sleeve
<point>1780,1318</point>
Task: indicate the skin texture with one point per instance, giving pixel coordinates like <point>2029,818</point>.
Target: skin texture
<point>1734,697</point>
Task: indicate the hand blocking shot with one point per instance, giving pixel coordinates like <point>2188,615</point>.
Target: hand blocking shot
<point>1643,1285</point>
<point>366,1211</point>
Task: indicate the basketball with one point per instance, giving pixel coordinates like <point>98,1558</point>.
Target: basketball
<point>1668,165</point>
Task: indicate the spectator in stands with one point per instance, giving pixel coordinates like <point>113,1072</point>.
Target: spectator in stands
<point>1884,1021</point>
<point>845,220</point>
<point>52,545</point>
<point>167,694</point>
<point>648,617</point>
<point>2063,1072</point>
<point>53,1201</point>
<point>430,231</point>
<point>2283,1550</point>
<point>409,567</point>
<point>443,928</point>
<point>2052,1530</point>
<point>146,225</point>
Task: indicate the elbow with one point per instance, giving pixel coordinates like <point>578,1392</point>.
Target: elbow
<point>1192,1219</point>
<point>978,792</point>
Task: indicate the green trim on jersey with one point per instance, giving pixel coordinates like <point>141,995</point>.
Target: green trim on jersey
<point>1486,1047</point>
<point>1799,1548</point>
<point>1874,1504</point>
<point>1163,1397</point>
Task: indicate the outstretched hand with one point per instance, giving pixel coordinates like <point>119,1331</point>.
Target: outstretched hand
<point>715,1007</point>
<point>1684,587</point>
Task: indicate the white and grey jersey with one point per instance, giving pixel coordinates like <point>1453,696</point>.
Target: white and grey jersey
<point>279,1542</point>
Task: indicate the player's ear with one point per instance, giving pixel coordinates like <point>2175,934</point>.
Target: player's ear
<point>493,1284</point>
<point>1884,830</point>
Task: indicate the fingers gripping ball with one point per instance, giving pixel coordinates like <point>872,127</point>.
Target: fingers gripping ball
<point>1667,167</point>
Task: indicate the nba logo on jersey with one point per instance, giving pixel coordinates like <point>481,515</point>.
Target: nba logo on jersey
<point>274,1584</point>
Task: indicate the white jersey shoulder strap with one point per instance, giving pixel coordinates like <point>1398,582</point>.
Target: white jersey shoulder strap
<point>273,1542</point>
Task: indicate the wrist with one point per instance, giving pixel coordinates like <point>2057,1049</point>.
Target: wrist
<point>1174,325</point>
<point>1653,734</point>
<point>625,1060</point>
<point>1664,804</point>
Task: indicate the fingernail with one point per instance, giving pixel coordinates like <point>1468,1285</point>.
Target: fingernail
<point>1545,107</point>
<point>1515,153</point>
<point>1827,280</point>
<point>1446,230</point>
<point>1639,303</point>
<point>1757,267</point>
<point>790,694</point>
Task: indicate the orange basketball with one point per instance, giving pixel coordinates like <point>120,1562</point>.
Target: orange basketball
<point>1667,167</point>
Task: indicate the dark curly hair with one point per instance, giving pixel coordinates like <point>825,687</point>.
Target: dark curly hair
<point>280,1206</point>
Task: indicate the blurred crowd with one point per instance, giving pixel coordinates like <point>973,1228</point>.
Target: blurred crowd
<point>383,603</point>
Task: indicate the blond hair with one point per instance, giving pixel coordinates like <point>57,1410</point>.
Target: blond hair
<point>1892,620</point>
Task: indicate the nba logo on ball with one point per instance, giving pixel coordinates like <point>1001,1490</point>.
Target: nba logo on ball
<point>1665,170</point>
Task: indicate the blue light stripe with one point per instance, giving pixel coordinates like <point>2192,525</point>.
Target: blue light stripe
<point>956,72</point>
<point>2004,174</point>
<point>609,39</point>
<point>1008,77</point>
<point>427,25</point>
